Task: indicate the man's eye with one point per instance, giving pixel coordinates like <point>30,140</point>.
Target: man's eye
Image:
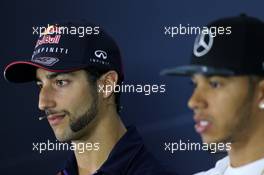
<point>61,83</point>
<point>215,84</point>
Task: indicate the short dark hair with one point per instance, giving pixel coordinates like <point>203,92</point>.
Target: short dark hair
<point>93,74</point>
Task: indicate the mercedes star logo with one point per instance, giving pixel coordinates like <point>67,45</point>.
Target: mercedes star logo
<point>203,44</point>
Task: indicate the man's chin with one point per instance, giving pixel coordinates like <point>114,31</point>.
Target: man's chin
<point>63,135</point>
<point>69,136</point>
<point>209,139</point>
<point>62,138</point>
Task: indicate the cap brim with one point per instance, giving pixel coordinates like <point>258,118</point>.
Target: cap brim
<point>190,70</point>
<point>25,71</point>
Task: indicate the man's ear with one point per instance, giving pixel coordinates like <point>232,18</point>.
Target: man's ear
<point>107,83</point>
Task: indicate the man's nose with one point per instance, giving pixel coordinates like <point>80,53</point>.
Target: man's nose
<point>46,98</point>
<point>198,99</point>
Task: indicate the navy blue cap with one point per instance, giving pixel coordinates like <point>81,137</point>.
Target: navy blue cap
<point>237,49</point>
<point>61,48</point>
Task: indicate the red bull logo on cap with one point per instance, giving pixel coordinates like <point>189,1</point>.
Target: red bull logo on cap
<point>47,38</point>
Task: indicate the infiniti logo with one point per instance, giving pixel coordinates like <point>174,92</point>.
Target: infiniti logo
<point>202,44</point>
<point>100,54</point>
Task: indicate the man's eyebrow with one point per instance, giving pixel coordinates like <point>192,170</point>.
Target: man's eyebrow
<point>56,74</point>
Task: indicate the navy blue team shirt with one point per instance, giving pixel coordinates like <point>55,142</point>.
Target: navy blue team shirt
<point>128,157</point>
